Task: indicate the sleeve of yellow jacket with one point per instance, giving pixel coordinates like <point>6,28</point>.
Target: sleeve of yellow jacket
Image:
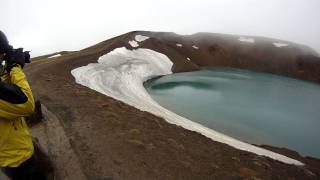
<point>15,139</point>
<point>13,111</point>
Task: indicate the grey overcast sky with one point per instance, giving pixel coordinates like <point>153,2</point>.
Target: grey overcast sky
<point>45,26</point>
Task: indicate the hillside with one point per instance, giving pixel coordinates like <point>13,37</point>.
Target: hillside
<point>107,139</point>
<point>209,49</point>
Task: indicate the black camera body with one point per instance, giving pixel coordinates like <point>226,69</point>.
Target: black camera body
<point>26,56</point>
<point>13,58</point>
<point>18,55</point>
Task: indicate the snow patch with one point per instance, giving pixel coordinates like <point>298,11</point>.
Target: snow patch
<point>195,47</point>
<point>133,43</point>
<point>141,38</point>
<point>279,44</point>
<point>179,45</point>
<point>120,74</point>
<point>248,40</point>
<point>56,55</point>
<point>183,33</point>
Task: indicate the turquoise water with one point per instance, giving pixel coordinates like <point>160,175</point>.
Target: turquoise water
<point>254,107</point>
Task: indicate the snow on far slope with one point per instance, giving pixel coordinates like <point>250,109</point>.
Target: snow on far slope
<point>179,45</point>
<point>133,43</point>
<point>195,47</point>
<point>56,55</point>
<point>141,38</point>
<point>244,39</point>
<point>120,74</point>
<point>279,44</point>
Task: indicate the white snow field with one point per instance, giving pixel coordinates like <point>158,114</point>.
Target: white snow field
<point>120,74</point>
<point>56,55</point>
<point>248,40</point>
<point>133,43</point>
<point>141,38</point>
<point>195,47</point>
<point>279,44</point>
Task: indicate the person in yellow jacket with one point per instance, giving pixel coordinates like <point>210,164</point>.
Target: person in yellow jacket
<point>16,102</point>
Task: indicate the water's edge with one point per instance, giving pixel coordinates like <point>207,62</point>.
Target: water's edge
<point>148,83</point>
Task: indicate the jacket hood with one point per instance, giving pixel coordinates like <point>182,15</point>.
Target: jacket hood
<point>4,43</point>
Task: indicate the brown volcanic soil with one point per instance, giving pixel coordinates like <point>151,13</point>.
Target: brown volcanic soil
<point>295,60</point>
<point>113,140</point>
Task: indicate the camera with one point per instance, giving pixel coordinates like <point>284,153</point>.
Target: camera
<point>16,56</point>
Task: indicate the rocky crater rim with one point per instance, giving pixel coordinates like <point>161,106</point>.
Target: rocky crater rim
<point>120,74</point>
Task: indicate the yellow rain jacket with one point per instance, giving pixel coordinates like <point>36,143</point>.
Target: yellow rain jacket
<point>15,139</point>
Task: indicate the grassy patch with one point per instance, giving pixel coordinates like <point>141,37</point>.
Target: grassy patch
<point>113,115</point>
<point>136,143</point>
<point>134,132</point>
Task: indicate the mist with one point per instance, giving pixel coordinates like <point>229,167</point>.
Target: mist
<point>48,26</point>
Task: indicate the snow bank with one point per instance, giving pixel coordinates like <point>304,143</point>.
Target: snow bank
<point>120,74</point>
<point>248,40</point>
<point>195,47</point>
<point>56,55</point>
<point>179,45</point>
<point>141,38</point>
<point>138,38</point>
<point>133,43</point>
<point>279,44</point>
<point>183,33</point>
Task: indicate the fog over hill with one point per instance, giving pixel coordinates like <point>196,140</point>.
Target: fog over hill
<point>55,25</point>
